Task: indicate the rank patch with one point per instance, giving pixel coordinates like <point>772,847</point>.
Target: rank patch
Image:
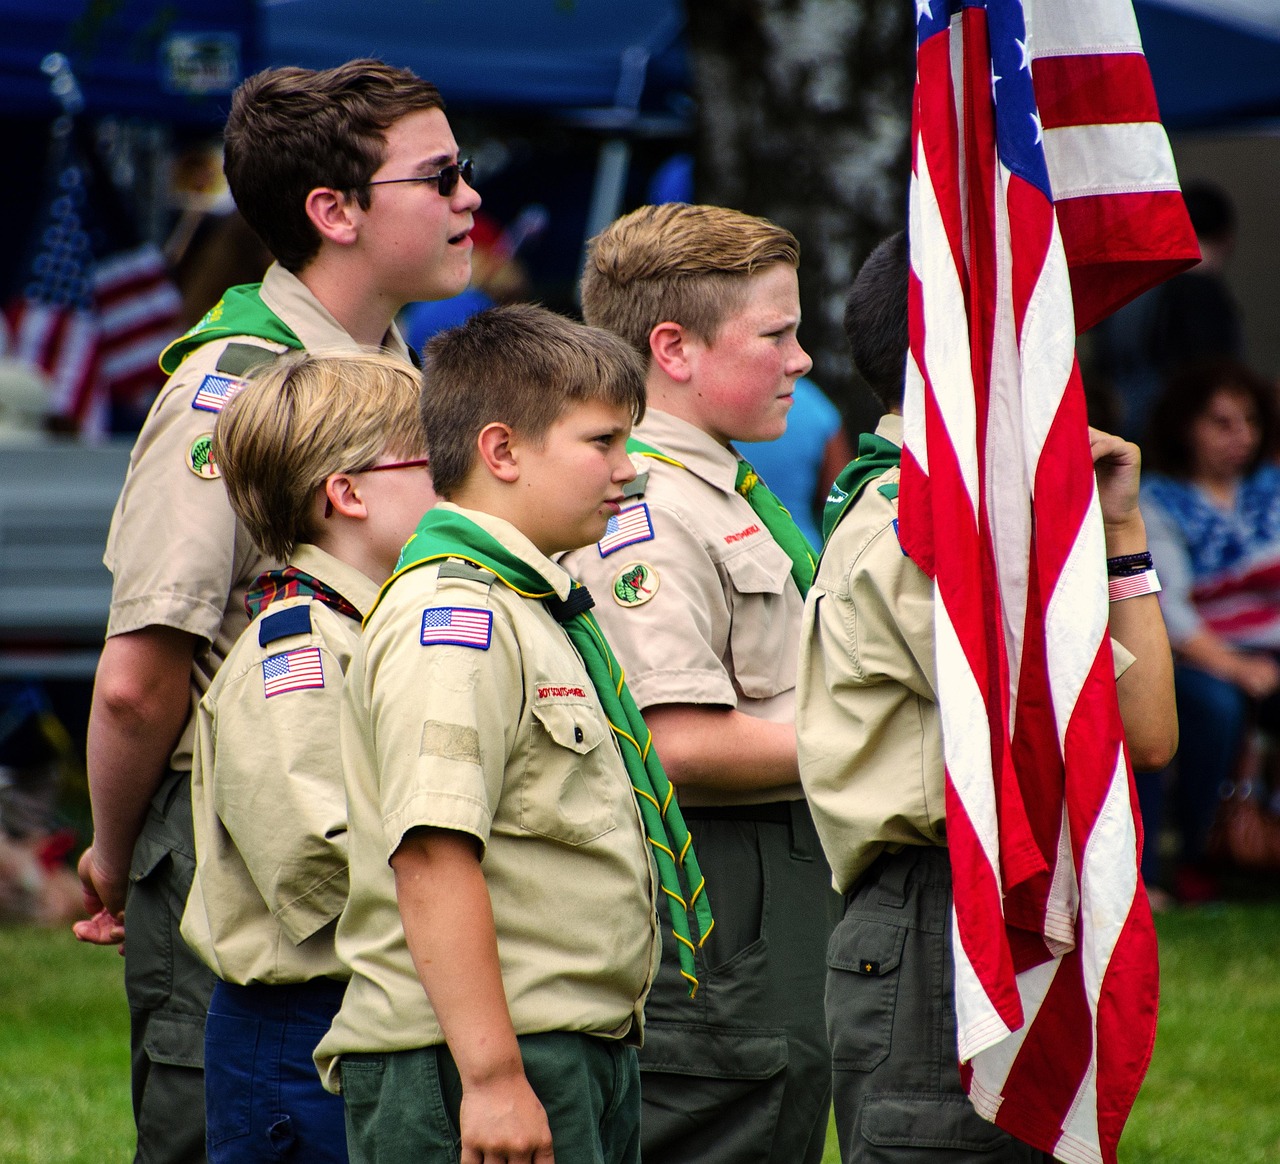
<point>635,584</point>
<point>200,457</point>
<point>461,626</point>
<point>626,529</point>
<point>215,392</point>
<point>292,671</point>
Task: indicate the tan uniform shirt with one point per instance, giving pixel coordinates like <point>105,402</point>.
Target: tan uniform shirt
<point>267,796</point>
<point>177,554</point>
<point>504,739</point>
<point>867,720</point>
<point>717,619</point>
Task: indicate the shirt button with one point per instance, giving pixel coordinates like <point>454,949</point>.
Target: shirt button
<point>577,734</point>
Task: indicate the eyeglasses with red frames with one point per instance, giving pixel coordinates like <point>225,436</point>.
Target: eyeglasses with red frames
<point>446,179</point>
<point>418,463</point>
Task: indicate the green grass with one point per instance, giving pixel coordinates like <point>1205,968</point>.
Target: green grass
<point>1212,1095</point>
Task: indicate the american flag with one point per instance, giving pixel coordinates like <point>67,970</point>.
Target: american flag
<point>292,671</point>
<point>215,392</point>
<point>94,313</point>
<point>463,626</point>
<point>625,529</point>
<point>1041,174</point>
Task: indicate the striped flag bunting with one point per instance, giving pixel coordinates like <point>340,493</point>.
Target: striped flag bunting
<point>1043,197</point>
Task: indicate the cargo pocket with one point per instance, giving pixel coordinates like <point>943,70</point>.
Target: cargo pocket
<point>893,1119</point>
<point>565,792</point>
<point>862,989</point>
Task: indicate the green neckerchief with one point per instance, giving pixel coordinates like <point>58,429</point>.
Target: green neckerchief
<point>240,311</point>
<point>764,502</point>
<point>445,534</point>
<point>876,456</point>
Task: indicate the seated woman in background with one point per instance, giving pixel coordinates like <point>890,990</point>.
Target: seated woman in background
<point>1212,511</point>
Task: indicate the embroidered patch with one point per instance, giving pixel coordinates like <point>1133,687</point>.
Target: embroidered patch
<point>214,392</point>
<point>549,691</point>
<point>461,626</point>
<point>635,584</point>
<point>200,457</point>
<point>626,529</point>
<point>292,671</point>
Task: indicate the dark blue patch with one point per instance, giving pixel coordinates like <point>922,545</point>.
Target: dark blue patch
<point>294,621</point>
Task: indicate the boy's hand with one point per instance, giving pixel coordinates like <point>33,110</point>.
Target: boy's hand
<point>105,926</point>
<point>503,1122</point>
<point>1117,464</point>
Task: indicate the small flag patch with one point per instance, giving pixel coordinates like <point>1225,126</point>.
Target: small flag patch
<point>461,626</point>
<point>630,526</point>
<point>214,392</point>
<point>292,671</point>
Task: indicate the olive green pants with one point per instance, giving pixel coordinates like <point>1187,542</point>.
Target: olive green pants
<point>402,1106</point>
<point>891,1018</point>
<point>741,1074</point>
<point>167,986</point>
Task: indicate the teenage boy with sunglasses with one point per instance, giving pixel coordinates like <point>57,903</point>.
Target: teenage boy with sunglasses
<point>351,177</point>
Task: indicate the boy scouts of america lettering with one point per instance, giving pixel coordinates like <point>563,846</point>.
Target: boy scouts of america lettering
<point>626,529</point>
<point>460,626</point>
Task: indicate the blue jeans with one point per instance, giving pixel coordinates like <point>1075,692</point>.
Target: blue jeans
<point>263,1098</point>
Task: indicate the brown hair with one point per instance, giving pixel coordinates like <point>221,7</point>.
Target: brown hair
<point>302,418</point>
<point>680,264</point>
<point>1167,448</point>
<point>292,130</point>
<point>521,366</point>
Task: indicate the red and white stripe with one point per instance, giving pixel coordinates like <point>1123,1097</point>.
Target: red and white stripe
<point>1055,957</point>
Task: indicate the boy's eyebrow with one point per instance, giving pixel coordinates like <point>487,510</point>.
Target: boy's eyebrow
<point>432,164</point>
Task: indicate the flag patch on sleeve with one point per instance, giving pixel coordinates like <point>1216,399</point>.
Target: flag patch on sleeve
<point>214,392</point>
<point>292,671</point>
<point>628,527</point>
<point>461,626</point>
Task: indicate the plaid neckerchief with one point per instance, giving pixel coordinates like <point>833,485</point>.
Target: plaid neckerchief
<point>443,534</point>
<point>291,583</point>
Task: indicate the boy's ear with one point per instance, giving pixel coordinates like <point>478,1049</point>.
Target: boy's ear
<point>669,348</point>
<point>332,213</point>
<point>496,445</point>
<point>342,496</point>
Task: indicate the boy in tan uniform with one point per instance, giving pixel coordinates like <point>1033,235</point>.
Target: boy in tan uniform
<point>500,929</point>
<point>323,461</point>
<point>351,177</point>
<point>871,761</point>
<point>701,584</point>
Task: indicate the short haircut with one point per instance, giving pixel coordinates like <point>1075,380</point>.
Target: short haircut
<point>522,366</point>
<point>677,263</point>
<point>1167,448</point>
<point>302,418</point>
<point>292,130</point>
<point>875,319</point>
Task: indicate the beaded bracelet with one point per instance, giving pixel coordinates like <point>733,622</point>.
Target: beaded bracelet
<point>1125,564</point>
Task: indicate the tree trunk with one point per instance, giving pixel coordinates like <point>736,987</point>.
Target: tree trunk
<point>804,117</point>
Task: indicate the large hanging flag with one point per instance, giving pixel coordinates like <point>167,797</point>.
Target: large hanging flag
<point>97,306</point>
<point>1043,196</point>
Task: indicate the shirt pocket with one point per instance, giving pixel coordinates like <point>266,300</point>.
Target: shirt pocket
<point>761,664</point>
<point>566,793</point>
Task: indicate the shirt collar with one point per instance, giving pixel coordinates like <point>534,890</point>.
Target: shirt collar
<point>291,299</point>
<point>557,577</point>
<point>890,427</point>
<point>355,587</point>
<point>700,453</point>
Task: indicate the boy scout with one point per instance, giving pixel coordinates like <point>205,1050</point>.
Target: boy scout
<point>700,583</point>
<point>322,458</point>
<point>871,761</point>
<point>351,177</point>
<point>500,930</point>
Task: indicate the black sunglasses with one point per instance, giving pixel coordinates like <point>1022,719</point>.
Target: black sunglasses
<point>446,180</point>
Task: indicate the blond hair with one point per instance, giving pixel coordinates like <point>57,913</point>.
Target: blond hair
<point>521,366</point>
<point>680,264</point>
<point>302,418</point>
